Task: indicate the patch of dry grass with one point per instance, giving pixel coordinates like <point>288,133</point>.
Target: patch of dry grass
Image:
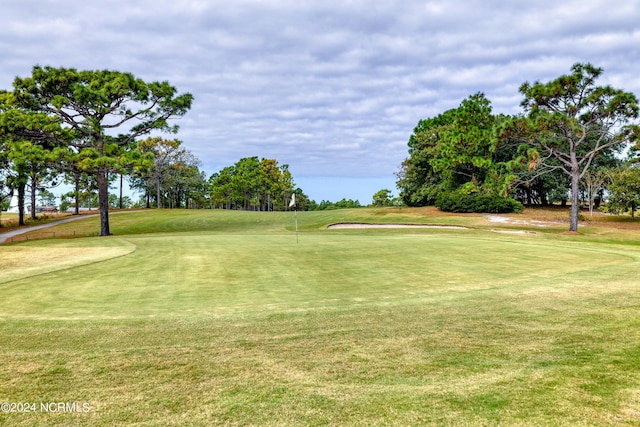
<point>24,261</point>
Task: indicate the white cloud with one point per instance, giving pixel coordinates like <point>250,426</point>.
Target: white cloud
<point>333,88</point>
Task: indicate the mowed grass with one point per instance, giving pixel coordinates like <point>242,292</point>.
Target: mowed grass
<point>221,318</point>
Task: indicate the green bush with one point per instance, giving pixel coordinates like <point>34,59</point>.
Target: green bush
<point>477,202</point>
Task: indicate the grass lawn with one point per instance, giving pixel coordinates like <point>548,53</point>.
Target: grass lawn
<point>220,318</point>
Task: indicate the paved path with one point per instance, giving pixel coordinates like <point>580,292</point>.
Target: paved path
<point>18,231</point>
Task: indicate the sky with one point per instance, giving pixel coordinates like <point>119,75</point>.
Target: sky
<point>332,88</point>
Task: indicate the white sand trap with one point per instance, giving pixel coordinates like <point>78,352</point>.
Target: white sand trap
<point>506,220</point>
<point>363,225</point>
<point>496,218</point>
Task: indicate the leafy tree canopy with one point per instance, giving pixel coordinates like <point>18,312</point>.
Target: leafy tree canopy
<point>625,190</point>
<point>455,149</point>
<point>256,184</point>
<point>570,126</point>
<point>95,114</point>
<point>571,122</point>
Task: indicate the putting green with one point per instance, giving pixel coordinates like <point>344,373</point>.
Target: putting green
<point>174,275</point>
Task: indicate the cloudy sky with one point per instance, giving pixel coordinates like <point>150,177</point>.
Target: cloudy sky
<point>333,88</point>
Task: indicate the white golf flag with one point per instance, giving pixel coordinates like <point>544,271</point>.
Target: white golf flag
<point>292,203</point>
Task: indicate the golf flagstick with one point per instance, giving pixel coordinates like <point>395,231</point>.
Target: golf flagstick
<point>295,212</point>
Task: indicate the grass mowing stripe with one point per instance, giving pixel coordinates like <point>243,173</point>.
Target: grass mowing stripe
<point>187,275</point>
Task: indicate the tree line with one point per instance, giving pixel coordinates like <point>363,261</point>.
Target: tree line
<point>252,184</point>
<point>89,129</point>
<point>565,146</point>
<point>92,129</point>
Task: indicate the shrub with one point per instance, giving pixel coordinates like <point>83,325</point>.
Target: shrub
<point>476,202</point>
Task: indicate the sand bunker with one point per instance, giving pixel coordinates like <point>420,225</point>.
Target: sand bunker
<point>505,220</point>
<point>458,227</point>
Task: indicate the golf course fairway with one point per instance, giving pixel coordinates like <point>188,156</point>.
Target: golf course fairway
<point>222,318</point>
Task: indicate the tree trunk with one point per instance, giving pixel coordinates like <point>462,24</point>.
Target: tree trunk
<point>34,185</point>
<point>544,200</point>
<point>120,201</point>
<point>575,199</point>
<point>76,211</point>
<point>103,201</point>
<point>21,191</point>
<point>159,196</point>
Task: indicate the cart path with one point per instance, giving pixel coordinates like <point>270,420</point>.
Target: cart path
<point>10,234</point>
